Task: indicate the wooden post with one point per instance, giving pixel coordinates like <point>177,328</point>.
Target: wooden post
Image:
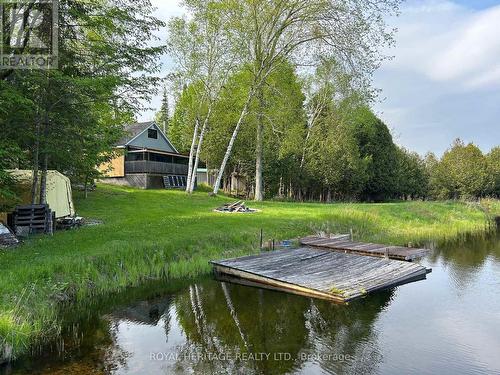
<point>352,235</point>
<point>261,238</point>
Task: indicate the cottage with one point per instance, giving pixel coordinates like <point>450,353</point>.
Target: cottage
<point>147,159</point>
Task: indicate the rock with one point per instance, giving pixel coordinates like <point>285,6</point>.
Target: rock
<point>5,353</point>
<point>7,238</point>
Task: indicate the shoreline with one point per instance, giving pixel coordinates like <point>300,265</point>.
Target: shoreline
<point>140,242</point>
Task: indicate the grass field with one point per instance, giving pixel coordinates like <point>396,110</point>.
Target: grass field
<point>166,234</point>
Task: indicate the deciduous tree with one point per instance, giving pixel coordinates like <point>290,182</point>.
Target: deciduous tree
<point>274,31</point>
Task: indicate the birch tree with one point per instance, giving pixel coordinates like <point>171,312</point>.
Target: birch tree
<point>272,31</point>
<point>202,53</point>
<point>332,84</point>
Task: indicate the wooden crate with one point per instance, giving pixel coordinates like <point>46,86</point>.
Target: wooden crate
<point>33,219</point>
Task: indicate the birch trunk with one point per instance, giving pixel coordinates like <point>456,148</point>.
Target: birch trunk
<point>302,161</point>
<point>45,165</point>
<point>36,162</point>
<point>86,186</point>
<point>43,181</point>
<point>310,125</point>
<point>198,151</point>
<point>243,114</point>
<point>191,154</point>
<point>259,195</point>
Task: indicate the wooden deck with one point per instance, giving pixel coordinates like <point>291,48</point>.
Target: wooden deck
<point>344,244</point>
<point>319,273</point>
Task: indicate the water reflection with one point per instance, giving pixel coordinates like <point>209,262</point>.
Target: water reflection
<point>216,327</point>
<point>225,318</point>
<point>466,257</point>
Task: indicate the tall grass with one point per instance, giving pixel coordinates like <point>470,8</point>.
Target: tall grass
<point>166,234</point>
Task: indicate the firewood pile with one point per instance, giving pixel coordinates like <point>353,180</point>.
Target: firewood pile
<point>236,207</point>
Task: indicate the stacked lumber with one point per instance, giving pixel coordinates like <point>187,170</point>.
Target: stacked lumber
<point>236,207</point>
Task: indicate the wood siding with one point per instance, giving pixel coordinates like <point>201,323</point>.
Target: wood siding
<point>115,168</point>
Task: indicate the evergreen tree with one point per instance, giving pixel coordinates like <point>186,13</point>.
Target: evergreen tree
<point>412,181</point>
<point>162,117</point>
<point>375,143</point>
<point>69,118</point>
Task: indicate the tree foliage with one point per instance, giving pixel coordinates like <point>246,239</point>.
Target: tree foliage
<point>69,118</point>
<point>461,173</point>
<point>375,143</point>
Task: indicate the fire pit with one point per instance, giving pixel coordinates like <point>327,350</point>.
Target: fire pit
<point>236,207</point>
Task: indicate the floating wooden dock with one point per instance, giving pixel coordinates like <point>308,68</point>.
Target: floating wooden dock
<point>343,244</point>
<point>318,273</point>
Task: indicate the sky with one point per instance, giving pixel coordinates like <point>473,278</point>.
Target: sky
<point>443,82</point>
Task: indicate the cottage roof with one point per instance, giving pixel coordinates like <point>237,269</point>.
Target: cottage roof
<point>133,136</point>
<point>133,130</point>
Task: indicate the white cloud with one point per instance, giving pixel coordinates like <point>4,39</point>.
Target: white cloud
<point>444,77</point>
<point>167,8</point>
<point>445,42</point>
<point>443,82</point>
<point>473,52</point>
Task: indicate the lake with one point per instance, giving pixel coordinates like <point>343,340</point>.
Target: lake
<point>447,324</point>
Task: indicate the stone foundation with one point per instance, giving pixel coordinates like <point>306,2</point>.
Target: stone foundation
<point>138,180</point>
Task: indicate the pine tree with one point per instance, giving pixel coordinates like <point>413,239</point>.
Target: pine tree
<point>163,116</point>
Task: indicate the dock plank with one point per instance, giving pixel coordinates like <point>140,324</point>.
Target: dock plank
<point>320,273</point>
<point>371,249</point>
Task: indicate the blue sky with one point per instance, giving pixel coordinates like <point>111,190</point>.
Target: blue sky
<point>478,4</point>
<point>444,80</point>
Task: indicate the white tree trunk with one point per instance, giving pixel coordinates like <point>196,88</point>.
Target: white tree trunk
<point>302,161</point>
<point>191,154</point>
<point>198,151</point>
<point>259,194</point>
<point>43,180</point>
<point>243,114</point>
<point>36,163</point>
<point>45,162</point>
<point>310,124</point>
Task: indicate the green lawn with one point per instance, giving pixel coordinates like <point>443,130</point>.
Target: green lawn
<point>154,234</point>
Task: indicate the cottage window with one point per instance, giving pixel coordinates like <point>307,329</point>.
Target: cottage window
<point>160,158</point>
<point>152,133</point>
<point>135,156</point>
<point>180,160</point>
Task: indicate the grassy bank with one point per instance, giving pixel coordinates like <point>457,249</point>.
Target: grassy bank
<point>165,234</point>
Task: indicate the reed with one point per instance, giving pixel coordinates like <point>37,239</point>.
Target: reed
<point>150,235</point>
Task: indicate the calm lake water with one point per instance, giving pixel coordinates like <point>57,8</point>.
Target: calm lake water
<point>447,324</point>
